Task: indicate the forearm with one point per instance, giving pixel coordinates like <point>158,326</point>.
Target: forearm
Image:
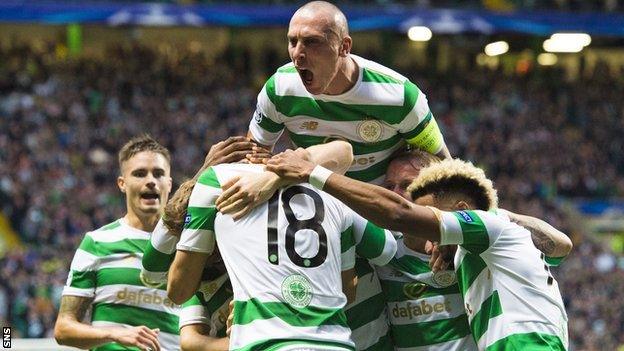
<point>191,339</point>
<point>185,275</point>
<point>546,238</point>
<point>383,207</point>
<point>336,156</point>
<point>71,332</point>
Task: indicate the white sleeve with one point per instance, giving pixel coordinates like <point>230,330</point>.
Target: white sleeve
<point>198,233</point>
<point>265,126</point>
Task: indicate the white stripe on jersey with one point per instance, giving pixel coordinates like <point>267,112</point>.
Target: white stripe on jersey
<point>465,343</point>
<point>366,335</point>
<point>455,301</point>
<point>275,328</point>
<point>120,294</point>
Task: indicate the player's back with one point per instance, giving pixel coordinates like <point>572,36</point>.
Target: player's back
<point>284,261</point>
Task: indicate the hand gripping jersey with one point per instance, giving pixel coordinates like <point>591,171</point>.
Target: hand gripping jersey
<point>377,115</point>
<point>425,309</point>
<point>106,268</point>
<point>284,261</point>
<point>512,300</point>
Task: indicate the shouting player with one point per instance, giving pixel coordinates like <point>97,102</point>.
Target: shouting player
<point>104,274</point>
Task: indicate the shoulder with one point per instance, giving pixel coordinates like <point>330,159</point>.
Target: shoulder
<point>106,232</point>
<point>375,72</point>
<point>285,82</point>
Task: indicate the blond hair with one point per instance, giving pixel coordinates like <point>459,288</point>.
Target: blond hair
<point>453,177</point>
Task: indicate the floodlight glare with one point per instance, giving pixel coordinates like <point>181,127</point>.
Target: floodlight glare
<point>546,59</point>
<point>496,48</point>
<point>419,33</point>
<point>552,45</point>
<point>579,38</point>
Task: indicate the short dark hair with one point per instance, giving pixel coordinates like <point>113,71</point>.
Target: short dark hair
<point>139,144</point>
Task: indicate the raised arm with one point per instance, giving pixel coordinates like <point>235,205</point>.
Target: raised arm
<point>242,194</point>
<point>545,237</point>
<point>383,207</point>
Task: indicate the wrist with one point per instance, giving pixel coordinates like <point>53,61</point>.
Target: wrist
<point>318,176</point>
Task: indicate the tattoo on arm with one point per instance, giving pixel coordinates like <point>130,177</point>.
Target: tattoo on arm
<point>75,306</point>
<point>543,243</point>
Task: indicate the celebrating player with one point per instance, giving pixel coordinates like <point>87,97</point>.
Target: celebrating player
<point>511,299</point>
<point>105,270</point>
<point>328,93</point>
<point>289,294</point>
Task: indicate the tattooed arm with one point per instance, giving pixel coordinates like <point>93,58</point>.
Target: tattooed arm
<point>70,330</point>
<point>545,237</point>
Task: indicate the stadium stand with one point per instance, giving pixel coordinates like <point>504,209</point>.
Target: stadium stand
<point>539,135</point>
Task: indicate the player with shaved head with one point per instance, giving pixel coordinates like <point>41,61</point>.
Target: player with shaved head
<point>327,93</point>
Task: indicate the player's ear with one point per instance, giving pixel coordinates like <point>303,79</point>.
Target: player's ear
<point>121,183</point>
<point>345,46</point>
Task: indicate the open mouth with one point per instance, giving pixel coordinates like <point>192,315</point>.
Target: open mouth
<point>150,196</point>
<point>306,76</point>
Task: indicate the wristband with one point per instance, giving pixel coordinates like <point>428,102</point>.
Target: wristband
<point>319,176</point>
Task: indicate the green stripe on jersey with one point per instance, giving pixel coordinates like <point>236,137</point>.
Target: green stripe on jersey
<point>430,333</point>
<point>554,261</point>
<point>371,173</point>
<point>369,75</point>
<point>528,341</point>
<point>132,315</point>
<point>267,124</point>
<point>346,240</point>
<point>155,260</point>
<point>110,226</point>
<point>102,248</point>
<point>209,178</point>
<point>277,344</point>
<point>474,232</point>
<point>372,243</point>
<point>83,280</point>
<point>358,148</point>
<point>468,271</point>
<point>218,298</point>
<point>410,264</point>
<point>490,308</point>
<point>201,218</point>
<point>251,310</point>
<point>112,276</point>
<point>365,311</point>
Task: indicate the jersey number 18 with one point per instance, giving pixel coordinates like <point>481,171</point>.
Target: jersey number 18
<point>294,226</point>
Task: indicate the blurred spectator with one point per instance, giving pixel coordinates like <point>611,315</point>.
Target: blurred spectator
<point>538,136</point>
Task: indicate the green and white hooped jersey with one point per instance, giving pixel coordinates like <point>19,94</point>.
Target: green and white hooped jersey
<point>106,267</point>
<point>426,310</point>
<point>512,300</point>
<point>209,306</point>
<point>284,260</point>
<point>382,111</point>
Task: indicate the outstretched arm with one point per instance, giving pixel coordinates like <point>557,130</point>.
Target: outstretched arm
<point>545,237</point>
<point>195,337</point>
<point>383,207</point>
<point>243,194</point>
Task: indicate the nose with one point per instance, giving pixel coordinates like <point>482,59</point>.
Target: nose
<point>298,52</point>
<point>151,181</point>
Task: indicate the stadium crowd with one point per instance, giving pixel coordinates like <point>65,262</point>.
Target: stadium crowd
<point>62,121</point>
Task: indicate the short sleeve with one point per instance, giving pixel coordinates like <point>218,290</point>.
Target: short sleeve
<point>82,278</point>
<point>347,249</point>
<point>158,256</point>
<point>265,126</point>
<point>193,312</point>
<point>198,231</point>
<point>475,231</point>
<point>419,128</point>
<point>371,242</point>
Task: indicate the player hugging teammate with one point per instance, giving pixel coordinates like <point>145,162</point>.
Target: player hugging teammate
<point>293,256</point>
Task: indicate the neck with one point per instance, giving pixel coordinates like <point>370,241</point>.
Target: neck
<point>144,223</point>
<point>345,78</point>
